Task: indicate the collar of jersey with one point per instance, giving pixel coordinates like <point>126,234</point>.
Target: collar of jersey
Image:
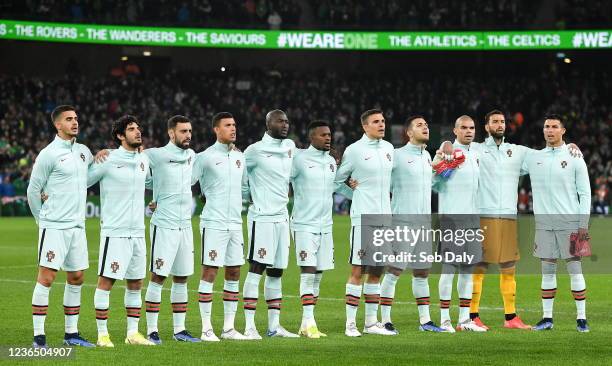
<point>64,143</point>
<point>461,146</point>
<point>224,148</point>
<point>549,148</point>
<point>369,141</point>
<point>415,148</point>
<point>175,149</point>
<point>126,153</point>
<point>490,141</point>
<point>271,140</point>
<point>314,151</point>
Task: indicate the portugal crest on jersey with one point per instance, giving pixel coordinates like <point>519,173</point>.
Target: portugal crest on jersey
<point>159,263</point>
<point>289,153</point>
<point>142,166</point>
<point>212,255</point>
<point>563,164</point>
<point>331,167</point>
<point>388,156</point>
<point>82,157</point>
<point>189,161</point>
<point>509,152</point>
<point>303,255</point>
<point>238,164</point>
<point>50,256</point>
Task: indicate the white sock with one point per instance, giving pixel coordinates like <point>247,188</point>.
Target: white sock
<point>205,300</point>
<point>230,303</point>
<point>549,287</point>
<point>465,287</point>
<point>152,302</point>
<point>101,303</point>
<point>420,291</point>
<point>250,294</point>
<point>371,292</point>
<point>353,294</point>
<point>317,286</point>
<point>273,294</point>
<point>133,305</point>
<point>307,296</point>
<point>40,305</point>
<point>445,289</point>
<point>178,298</point>
<point>387,293</point>
<point>72,307</point>
<point>578,287</point>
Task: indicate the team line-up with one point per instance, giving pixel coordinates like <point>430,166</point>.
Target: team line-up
<point>478,180</point>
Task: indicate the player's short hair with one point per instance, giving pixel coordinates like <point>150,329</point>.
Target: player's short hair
<point>120,126</point>
<point>368,113</point>
<point>317,123</point>
<point>492,113</point>
<point>219,116</point>
<point>555,117</point>
<point>408,126</point>
<point>174,120</point>
<point>57,111</point>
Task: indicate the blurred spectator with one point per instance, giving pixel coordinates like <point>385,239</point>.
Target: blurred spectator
<point>340,14</point>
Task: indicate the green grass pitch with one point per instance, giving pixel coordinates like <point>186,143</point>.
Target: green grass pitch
<point>563,345</point>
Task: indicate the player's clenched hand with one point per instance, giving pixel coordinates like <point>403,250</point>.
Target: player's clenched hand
<point>152,206</point>
<point>352,183</point>
<point>101,156</point>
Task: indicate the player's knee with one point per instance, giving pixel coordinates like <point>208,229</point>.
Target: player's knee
<point>134,284</point>
<point>105,283</point>
<point>507,264</point>
<point>46,276</point>
<point>420,273</point>
<point>179,279</point>
<point>394,271</point>
<point>209,273</point>
<point>274,272</point>
<point>75,278</point>
<point>232,273</point>
<point>308,269</point>
<point>157,278</point>
<point>257,267</point>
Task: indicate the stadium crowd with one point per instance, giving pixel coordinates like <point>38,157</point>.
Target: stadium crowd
<point>334,14</point>
<point>25,103</point>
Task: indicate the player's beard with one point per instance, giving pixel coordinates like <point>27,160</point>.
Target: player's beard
<point>182,145</point>
<point>135,145</point>
<point>497,135</point>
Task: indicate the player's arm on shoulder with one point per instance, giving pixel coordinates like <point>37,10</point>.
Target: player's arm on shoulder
<point>250,156</point>
<point>196,170</point>
<point>96,171</point>
<point>43,166</point>
<point>343,173</point>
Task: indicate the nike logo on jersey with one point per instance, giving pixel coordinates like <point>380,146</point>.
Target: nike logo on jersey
<point>268,155</point>
<point>312,166</point>
<point>120,166</point>
<point>63,159</point>
<point>538,163</point>
<point>219,162</point>
<point>367,158</point>
<point>410,161</point>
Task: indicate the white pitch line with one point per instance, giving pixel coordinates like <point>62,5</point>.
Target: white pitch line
<point>291,296</point>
